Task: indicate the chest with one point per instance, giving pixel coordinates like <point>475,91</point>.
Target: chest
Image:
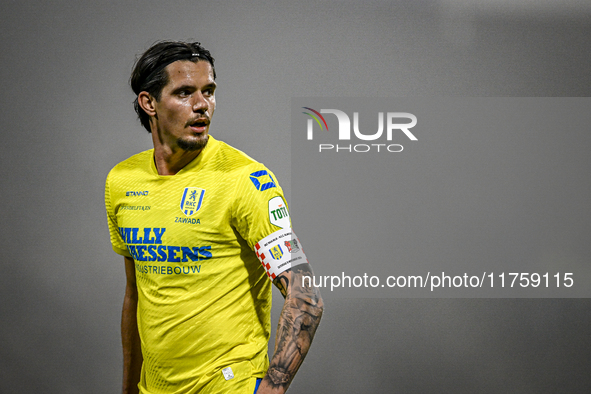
<point>187,211</point>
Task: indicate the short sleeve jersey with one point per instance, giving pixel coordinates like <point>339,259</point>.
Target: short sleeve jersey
<point>204,298</point>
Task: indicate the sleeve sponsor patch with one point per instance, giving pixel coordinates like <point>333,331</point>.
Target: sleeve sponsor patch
<point>278,214</point>
<point>279,252</point>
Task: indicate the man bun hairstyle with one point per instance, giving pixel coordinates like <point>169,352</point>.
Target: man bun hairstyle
<point>149,74</point>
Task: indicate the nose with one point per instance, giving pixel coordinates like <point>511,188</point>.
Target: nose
<point>199,103</point>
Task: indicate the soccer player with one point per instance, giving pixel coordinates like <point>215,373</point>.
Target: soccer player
<point>204,230</point>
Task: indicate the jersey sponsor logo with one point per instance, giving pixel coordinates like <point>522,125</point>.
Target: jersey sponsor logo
<point>167,269</point>
<point>187,220</point>
<point>136,193</point>
<point>145,244</point>
<point>136,207</point>
<point>278,214</point>
<point>169,253</point>
<point>191,200</point>
<point>262,180</point>
<point>276,252</point>
<point>147,235</point>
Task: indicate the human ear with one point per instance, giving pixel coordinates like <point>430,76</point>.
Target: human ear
<point>146,102</point>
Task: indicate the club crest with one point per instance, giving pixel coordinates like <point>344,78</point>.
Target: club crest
<point>191,200</point>
<point>276,252</point>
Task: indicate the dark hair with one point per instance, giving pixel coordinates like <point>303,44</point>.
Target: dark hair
<point>149,74</point>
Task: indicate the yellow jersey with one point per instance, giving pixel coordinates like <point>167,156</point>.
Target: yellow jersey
<point>204,298</point>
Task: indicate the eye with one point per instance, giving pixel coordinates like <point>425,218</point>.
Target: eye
<point>208,92</point>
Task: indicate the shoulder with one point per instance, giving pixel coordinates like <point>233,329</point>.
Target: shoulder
<point>234,160</point>
<point>131,167</point>
<point>134,161</point>
<point>245,173</point>
<point>232,156</point>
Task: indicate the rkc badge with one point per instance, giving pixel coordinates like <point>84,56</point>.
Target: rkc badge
<point>192,199</point>
<point>276,252</point>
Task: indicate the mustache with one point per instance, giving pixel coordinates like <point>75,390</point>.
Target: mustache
<point>203,119</point>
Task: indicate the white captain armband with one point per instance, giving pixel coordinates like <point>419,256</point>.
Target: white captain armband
<point>279,252</point>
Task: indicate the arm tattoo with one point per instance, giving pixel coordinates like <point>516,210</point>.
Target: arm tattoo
<point>297,324</point>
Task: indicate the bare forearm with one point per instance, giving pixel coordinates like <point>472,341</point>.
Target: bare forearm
<point>299,319</point>
<point>132,352</point>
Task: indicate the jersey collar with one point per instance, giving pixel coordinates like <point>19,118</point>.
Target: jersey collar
<point>196,163</point>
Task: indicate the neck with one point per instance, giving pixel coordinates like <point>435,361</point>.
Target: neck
<point>169,162</point>
<point>170,158</point>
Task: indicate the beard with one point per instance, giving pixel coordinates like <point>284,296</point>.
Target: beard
<point>193,145</point>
